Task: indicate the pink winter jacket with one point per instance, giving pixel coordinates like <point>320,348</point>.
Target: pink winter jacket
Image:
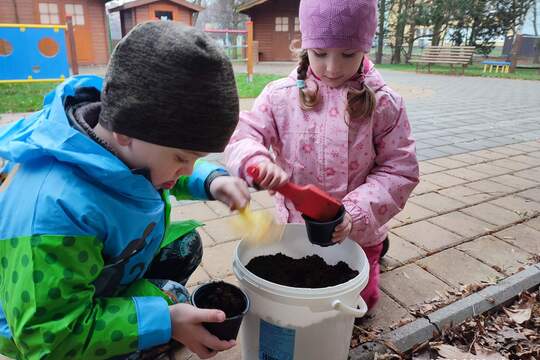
<point>370,164</point>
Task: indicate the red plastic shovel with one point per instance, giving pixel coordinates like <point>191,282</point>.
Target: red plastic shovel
<point>308,199</point>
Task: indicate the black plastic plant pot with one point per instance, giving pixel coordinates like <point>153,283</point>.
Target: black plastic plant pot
<point>226,297</point>
<point>319,232</point>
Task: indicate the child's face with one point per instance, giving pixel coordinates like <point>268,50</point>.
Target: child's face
<point>335,66</point>
<point>166,164</point>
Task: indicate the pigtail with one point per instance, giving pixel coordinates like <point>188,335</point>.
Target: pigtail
<point>309,99</point>
<point>361,102</point>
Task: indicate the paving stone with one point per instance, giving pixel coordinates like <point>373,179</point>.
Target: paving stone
<point>425,187</point>
<point>413,212</point>
<point>465,194</point>
<point>467,159</point>
<point>206,239</point>
<point>428,236</point>
<point>403,251</point>
<point>443,180</point>
<point>500,255</point>
<point>534,144</point>
<point>197,211</point>
<point>411,285</point>
<point>221,230</point>
<point>457,268</point>
<point>521,206</point>
<point>386,313</point>
<point>489,169</point>
<point>488,154</point>
<point>426,167</point>
<point>522,147</point>
<point>531,194</point>
<point>200,276</point>
<point>448,162</point>
<point>436,202</point>
<point>535,154</point>
<point>507,151</point>
<point>233,354</point>
<point>394,222</point>
<point>527,160</point>
<point>511,163</point>
<point>217,260</point>
<point>530,174</point>
<point>263,198</point>
<point>514,181</point>
<point>522,236</point>
<point>467,174</point>
<point>534,223</point>
<point>492,214</point>
<point>462,224</point>
<point>490,187</point>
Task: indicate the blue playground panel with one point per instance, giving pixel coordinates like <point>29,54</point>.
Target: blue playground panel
<point>26,62</point>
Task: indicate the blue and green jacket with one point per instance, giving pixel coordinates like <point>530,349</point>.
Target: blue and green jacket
<point>78,229</point>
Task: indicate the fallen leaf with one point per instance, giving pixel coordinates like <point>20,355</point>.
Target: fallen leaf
<point>519,316</point>
<point>511,334</point>
<point>452,352</point>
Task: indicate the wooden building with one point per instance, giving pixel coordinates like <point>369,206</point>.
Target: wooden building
<point>88,16</point>
<point>138,11</point>
<point>275,26</point>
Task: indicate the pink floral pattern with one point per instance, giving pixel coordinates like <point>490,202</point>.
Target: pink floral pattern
<point>372,169</point>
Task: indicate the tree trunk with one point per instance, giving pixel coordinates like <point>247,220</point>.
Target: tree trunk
<point>380,42</point>
<point>436,38</point>
<point>400,29</point>
<point>17,19</point>
<point>412,30</point>
<point>535,27</point>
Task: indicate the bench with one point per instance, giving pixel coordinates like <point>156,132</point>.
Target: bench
<point>505,66</point>
<point>448,55</point>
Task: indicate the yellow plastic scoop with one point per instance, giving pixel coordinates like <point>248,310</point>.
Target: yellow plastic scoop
<point>258,227</point>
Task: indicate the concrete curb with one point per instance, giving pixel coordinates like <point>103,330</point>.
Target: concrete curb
<point>421,330</point>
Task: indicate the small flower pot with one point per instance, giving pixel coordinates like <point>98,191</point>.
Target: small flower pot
<point>226,297</point>
<point>319,232</point>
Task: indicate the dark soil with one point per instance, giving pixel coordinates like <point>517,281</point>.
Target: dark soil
<point>222,296</point>
<point>308,272</point>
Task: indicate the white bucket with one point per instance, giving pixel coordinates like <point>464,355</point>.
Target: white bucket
<point>286,323</point>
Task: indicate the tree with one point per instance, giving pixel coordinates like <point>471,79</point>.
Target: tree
<point>381,33</point>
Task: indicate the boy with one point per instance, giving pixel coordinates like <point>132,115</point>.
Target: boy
<point>90,267</point>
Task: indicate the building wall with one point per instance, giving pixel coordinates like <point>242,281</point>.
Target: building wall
<point>100,38</point>
<point>263,17</point>
<point>25,10</point>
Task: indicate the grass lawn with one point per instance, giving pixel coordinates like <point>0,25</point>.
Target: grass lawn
<point>27,97</point>
<point>471,70</point>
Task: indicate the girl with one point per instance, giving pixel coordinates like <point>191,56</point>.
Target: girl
<point>334,123</point>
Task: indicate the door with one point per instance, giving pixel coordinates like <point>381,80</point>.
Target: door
<point>81,29</point>
<point>286,29</point>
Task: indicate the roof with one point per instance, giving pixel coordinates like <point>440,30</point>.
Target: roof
<point>138,3</point>
<point>250,4</point>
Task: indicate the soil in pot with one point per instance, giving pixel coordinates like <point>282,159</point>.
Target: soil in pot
<point>308,272</point>
<point>224,297</point>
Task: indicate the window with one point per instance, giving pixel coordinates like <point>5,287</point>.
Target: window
<point>297,24</point>
<point>282,24</point>
<point>164,15</point>
<point>48,13</point>
<point>76,11</point>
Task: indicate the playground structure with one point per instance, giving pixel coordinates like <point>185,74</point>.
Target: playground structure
<point>237,44</point>
<point>36,53</point>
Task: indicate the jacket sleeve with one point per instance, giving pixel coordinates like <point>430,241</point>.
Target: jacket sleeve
<point>49,303</point>
<point>393,177</point>
<point>255,132</point>
<point>193,187</point>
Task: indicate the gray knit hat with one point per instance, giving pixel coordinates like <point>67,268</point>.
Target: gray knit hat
<point>171,85</point>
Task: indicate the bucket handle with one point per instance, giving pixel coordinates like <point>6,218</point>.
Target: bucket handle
<point>339,306</point>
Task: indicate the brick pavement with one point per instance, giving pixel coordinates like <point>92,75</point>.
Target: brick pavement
<point>452,233</point>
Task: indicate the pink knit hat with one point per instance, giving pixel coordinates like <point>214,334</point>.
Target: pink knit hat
<point>349,24</point>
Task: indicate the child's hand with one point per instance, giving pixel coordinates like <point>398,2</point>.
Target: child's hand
<point>271,176</point>
<point>231,191</point>
<point>343,230</point>
<point>187,329</point>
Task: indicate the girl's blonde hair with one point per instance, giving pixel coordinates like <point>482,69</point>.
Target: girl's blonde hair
<point>361,102</point>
